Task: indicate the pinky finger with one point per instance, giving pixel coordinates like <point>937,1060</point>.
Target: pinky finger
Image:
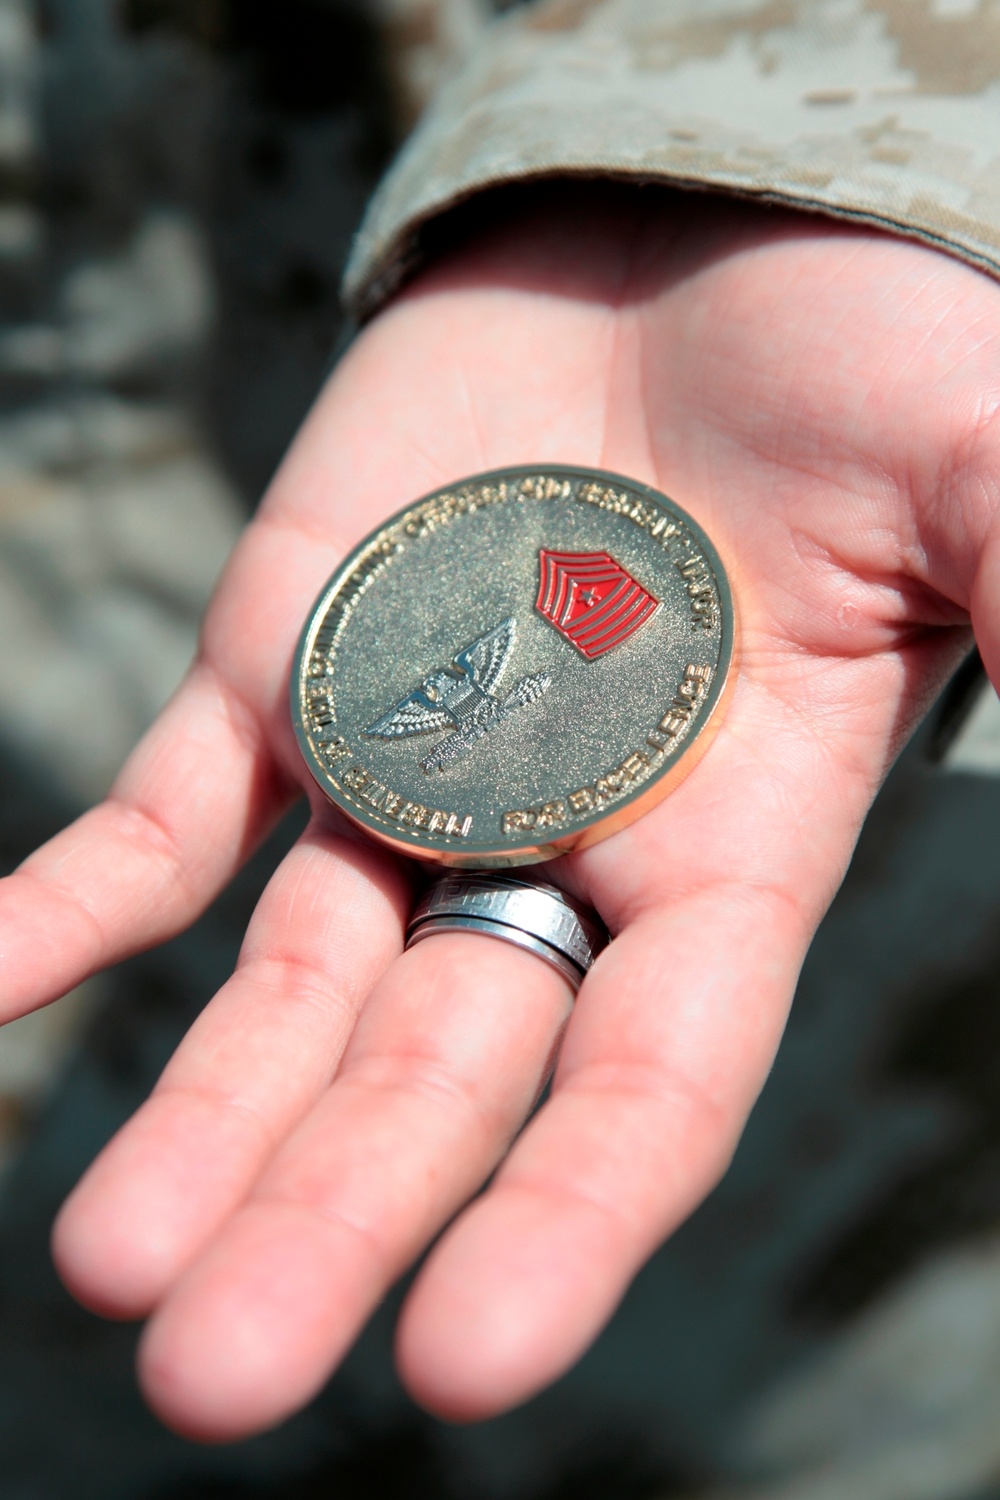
<point>193,800</point>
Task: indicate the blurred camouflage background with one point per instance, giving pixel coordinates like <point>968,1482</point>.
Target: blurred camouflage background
<point>179,180</point>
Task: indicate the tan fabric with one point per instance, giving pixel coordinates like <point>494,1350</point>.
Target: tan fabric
<point>882,110</point>
<point>424,42</point>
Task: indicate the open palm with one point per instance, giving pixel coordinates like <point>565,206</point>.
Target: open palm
<point>821,400</point>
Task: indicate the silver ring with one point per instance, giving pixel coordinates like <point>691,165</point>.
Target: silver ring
<point>530,913</point>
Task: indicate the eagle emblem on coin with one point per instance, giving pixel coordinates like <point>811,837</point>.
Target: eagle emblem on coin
<point>461,697</point>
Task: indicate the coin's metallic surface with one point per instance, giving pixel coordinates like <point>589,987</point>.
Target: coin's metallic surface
<point>515,666</point>
<point>532,914</point>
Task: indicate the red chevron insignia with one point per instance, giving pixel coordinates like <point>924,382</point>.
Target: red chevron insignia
<point>591,600</point>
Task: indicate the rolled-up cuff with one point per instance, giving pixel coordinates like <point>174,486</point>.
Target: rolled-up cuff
<point>884,114</point>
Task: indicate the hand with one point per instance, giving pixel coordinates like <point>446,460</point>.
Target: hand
<point>822,400</point>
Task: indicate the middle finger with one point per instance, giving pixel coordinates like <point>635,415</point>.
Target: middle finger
<point>446,1061</point>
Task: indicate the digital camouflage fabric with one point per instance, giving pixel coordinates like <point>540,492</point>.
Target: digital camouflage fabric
<point>884,111</point>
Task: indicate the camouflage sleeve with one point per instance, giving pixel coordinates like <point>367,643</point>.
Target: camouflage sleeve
<point>884,111</point>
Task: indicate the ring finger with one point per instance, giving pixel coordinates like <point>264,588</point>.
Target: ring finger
<point>255,1061</point>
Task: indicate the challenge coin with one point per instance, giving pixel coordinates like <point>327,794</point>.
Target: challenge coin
<point>515,666</point>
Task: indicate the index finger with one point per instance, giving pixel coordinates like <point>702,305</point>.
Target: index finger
<point>673,1034</point>
<point>654,1089</point>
